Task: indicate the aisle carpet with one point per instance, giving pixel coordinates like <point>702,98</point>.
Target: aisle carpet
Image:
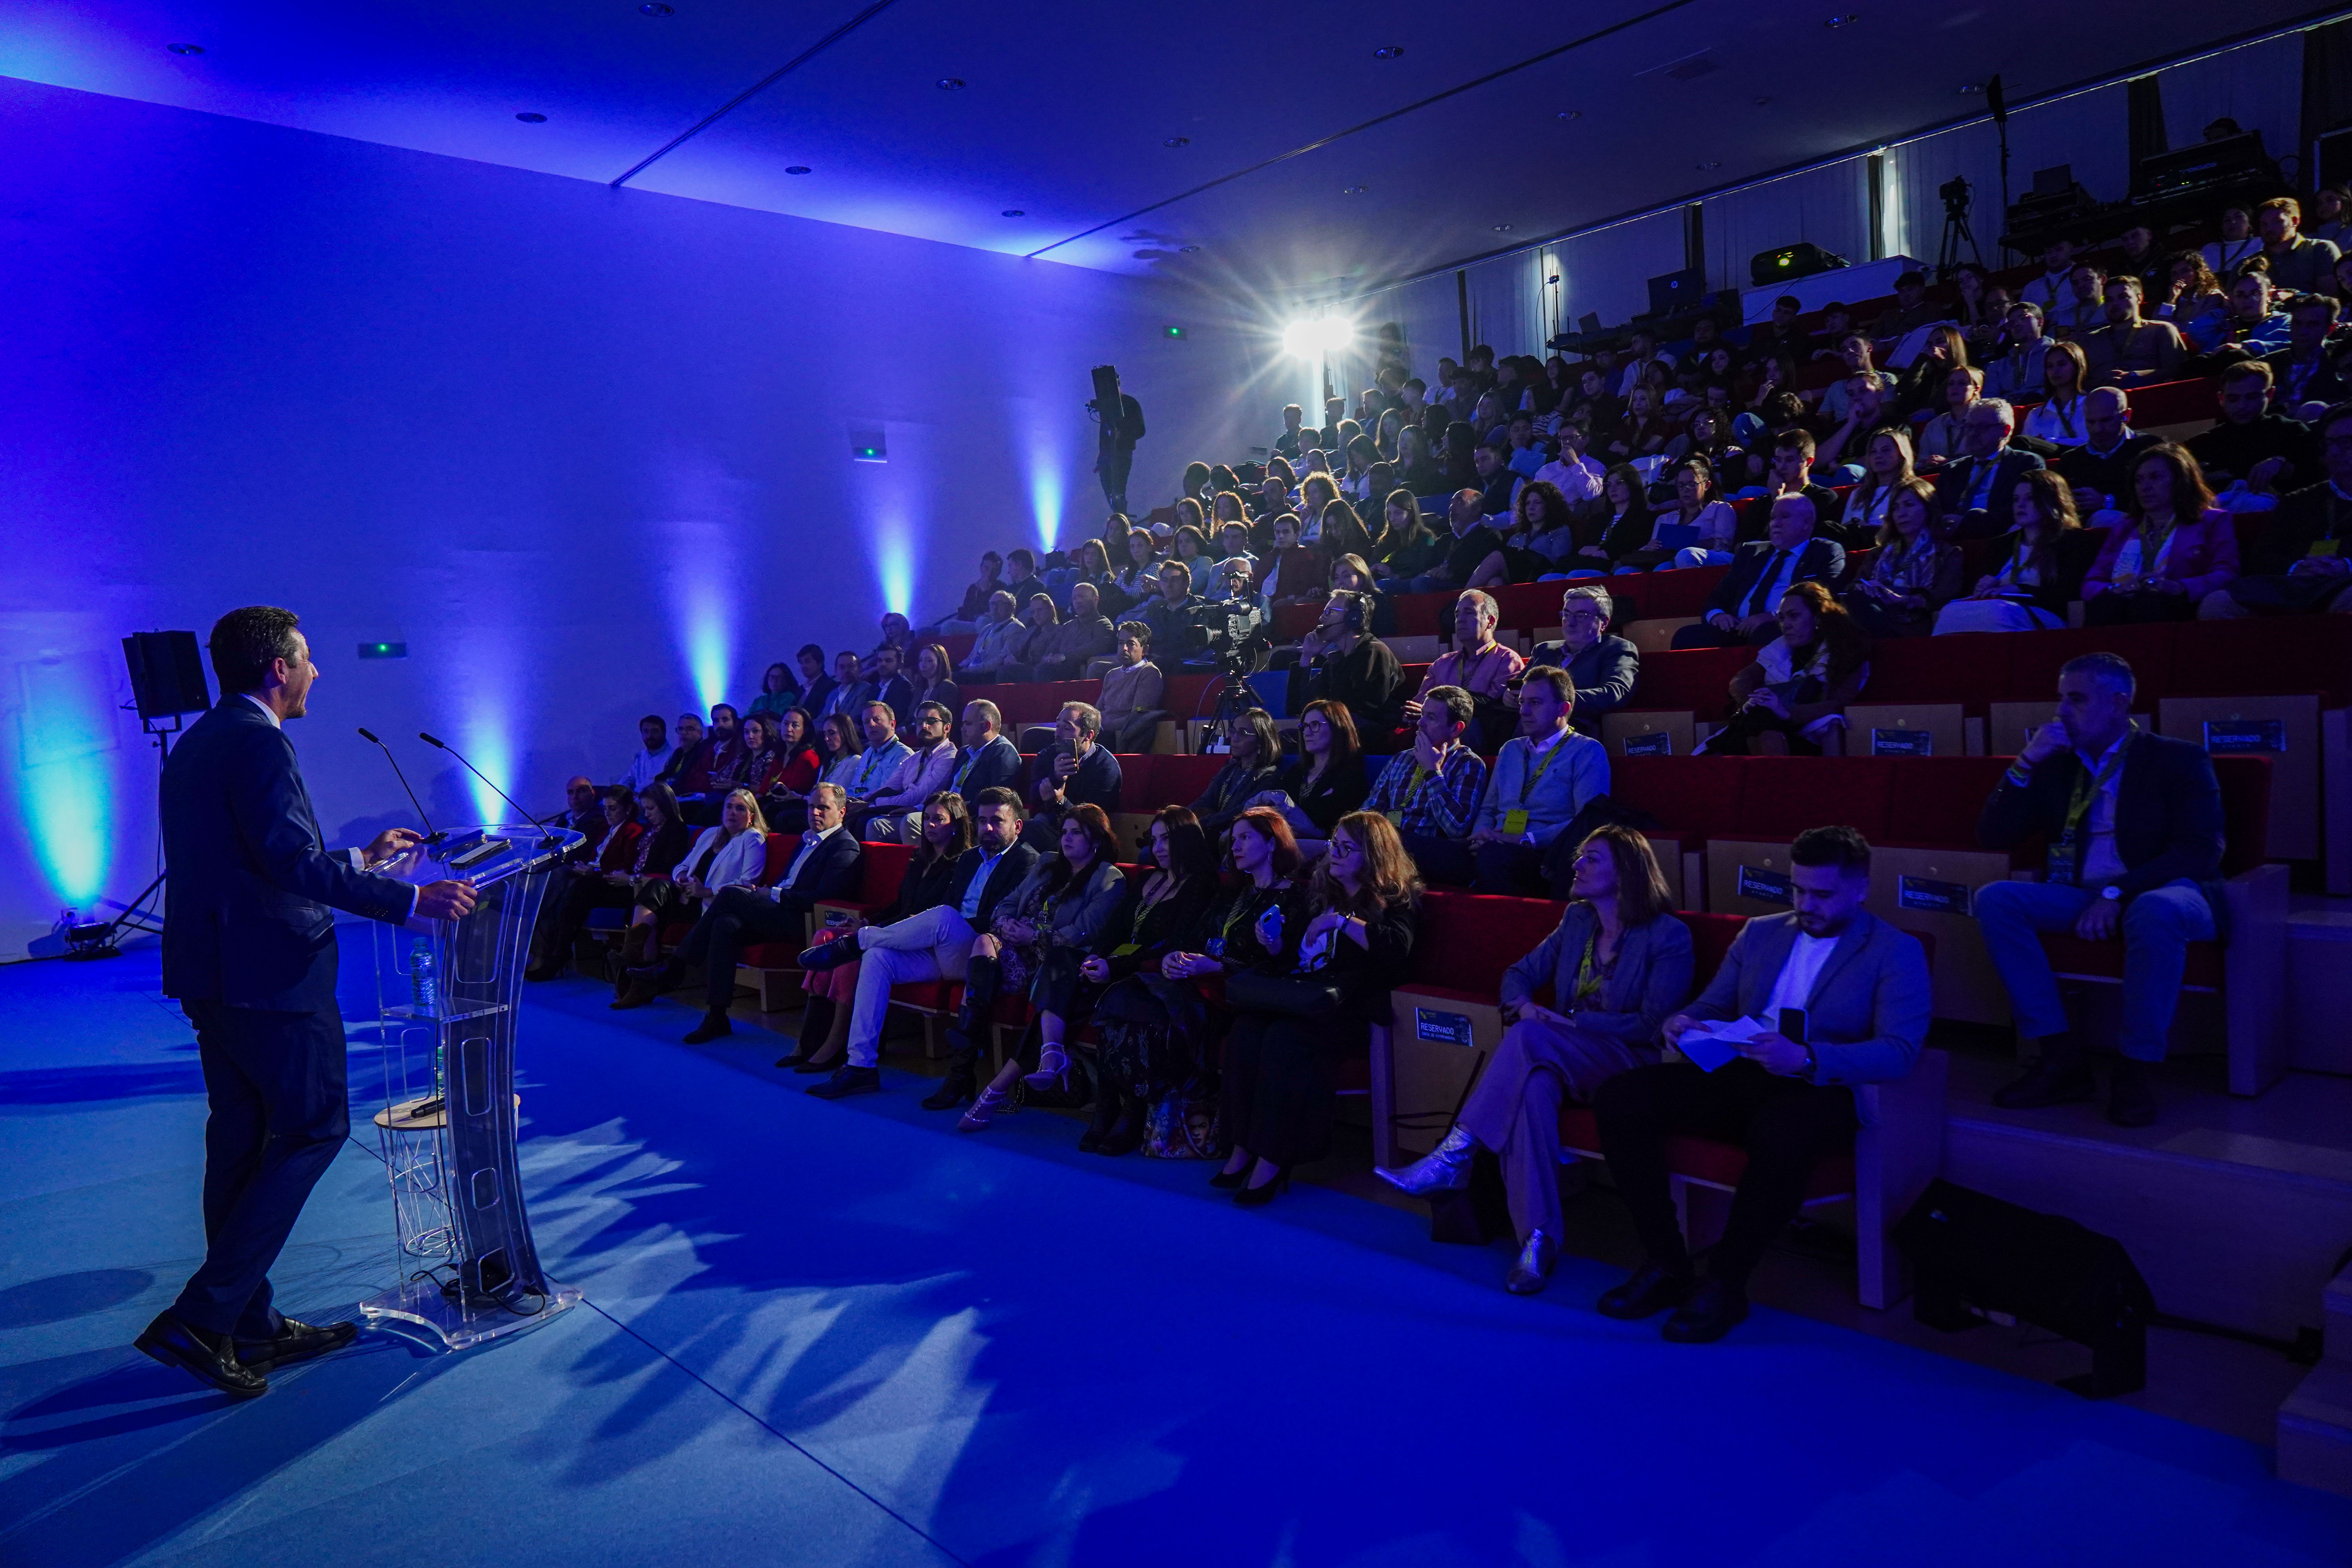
<point>840,1334</point>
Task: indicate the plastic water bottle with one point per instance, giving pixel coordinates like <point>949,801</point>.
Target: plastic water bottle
<point>424,988</point>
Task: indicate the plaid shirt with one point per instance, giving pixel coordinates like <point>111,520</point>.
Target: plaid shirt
<point>1433,805</point>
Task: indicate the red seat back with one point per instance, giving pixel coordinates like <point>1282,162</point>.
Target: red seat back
<point>1937,800</point>
<point>2175,402</point>
<point>1695,679</point>
<point>2269,656</point>
<point>781,848</point>
<point>886,868</point>
<point>1782,797</point>
<point>2037,657</point>
<point>2245,812</point>
<point>1665,595</point>
<point>1970,668</point>
<point>1696,795</point>
<point>1138,771</point>
<point>1291,621</point>
<point>1711,938</point>
<point>1529,606</point>
<point>1182,694</point>
<point>1174,781</point>
<point>1466,941</point>
<point>1422,615</point>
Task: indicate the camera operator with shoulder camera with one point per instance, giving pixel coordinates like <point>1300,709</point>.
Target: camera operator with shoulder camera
<point>1120,422</point>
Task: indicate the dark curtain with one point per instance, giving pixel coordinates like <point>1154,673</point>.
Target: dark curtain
<point>2146,107</point>
<point>2327,90</point>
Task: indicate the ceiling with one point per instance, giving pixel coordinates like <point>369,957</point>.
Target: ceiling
<point>1305,156</point>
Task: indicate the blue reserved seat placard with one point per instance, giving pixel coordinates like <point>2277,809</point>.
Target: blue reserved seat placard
<point>1656,744</point>
<point>1933,897</point>
<point>1429,1023</point>
<point>1764,885</point>
<point>1902,743</point>
<point>2236,737</point>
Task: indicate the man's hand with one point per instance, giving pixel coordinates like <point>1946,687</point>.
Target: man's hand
<point>391,842</point>
<point>1765,698</point>
<point>1531,1011</point>
<point>1412,710</point>
<point>1674,1027</point>
<point>1183,965</point>
<point>2046,742</point>
<point>445,900</point>
<point>1423,752</point>
<point>1096,968</point>
<point>2100,920</point>
<point>1722,620</point>
<point>1775,1053</point>
<point>1484,836</point>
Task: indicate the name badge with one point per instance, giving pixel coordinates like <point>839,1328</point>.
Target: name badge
<point>1931,897</point>
<point>1215,946</point>
<point>1451,1028</point>
<point>2322,547</point>
<point>1765,886</point>
<point>1657,743</point>
<point>1515,822</point>
<point>2238,737</point>
<point>2063,864</point>
<point>1123,949</point>
<point>1902,743</point>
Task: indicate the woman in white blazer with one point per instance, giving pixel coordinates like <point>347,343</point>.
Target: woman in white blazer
<point>734,853</point>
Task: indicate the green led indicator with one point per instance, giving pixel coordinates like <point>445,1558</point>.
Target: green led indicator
<point>383,651</point>
<point>1173,332</point>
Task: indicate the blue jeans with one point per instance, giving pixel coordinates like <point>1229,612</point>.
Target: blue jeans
<point>2158,927</point>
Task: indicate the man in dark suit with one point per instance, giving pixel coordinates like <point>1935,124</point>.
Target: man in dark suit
<point>2299,563</point>
<point>249,954</point>
<point>828,865</point>
<point>2105,461</point>
<point>933,945</point>
<point>893,688</point>
<point>2134,822</point>
<point>1863,989</point>
<point>1978,494</point>
<point>1603,667</point>
<point>988,759</point>
<point>1745,608</point>
<point>1075,770</point>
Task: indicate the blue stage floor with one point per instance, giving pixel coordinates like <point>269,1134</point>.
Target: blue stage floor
<point>839,1334</point>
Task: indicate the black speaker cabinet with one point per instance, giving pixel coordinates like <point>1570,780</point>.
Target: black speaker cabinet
<point>167,673</point>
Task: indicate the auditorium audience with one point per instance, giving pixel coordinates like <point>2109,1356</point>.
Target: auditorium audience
<point>1075,771</point>
<point>2133,820</point>
<point>2255,449</point>
<point>878,764</point>
<point>1618,965</point>
<point>893,812</point>
<point>1795,694</point>
<point>2238,242</point>
<point>1912,573</point>
<point>840,751</point>
<point>1345,663</point>
<point>2103,465</point>
<point>1168,618</point>
<point>1939,438</point>
<point>1863,989</point>
<point>1542,779</point>
<point>2017,373</point>
<point>1790,474</point>
<point>933,678</point>
<point>969,614</point>
<point>1131,690</point>
<point>1601,667</point>
<point>662,841</point>
<point>2065,372</point>
<point>1744,609</point>
<point>999,642</point>
<point>2037,568</point>
<point>731,854</point>
<point>2306,374</point>
<point>2297,263</point>
<point>1326,781</point>
<point>2173,547</point>
<point>1886,467</point>
<point>1335,952</point>
<point>653,753</point>
<point>1478,664</point>
<point>778,692</point>
<point>1254,766</point>
<point>2299,561</point>
<point>1976,494</point>
<point>1433,788</point>
<point>2125,350</point>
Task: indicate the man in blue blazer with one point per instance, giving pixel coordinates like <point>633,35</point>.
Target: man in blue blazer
<point>1745,608</point>
<point>1786,1095</point>
<point>249,954</point>
<point>988,759</point>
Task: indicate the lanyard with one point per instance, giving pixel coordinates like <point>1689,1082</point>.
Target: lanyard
<point>2087,786</point>
<point>1587,975</point>
<point>1242,906</point>
<point>866,779</point>
<point>1527,785</point>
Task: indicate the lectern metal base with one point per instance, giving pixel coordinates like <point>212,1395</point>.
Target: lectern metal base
<point>459,1324</point>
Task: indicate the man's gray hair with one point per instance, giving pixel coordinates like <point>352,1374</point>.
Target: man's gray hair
<point>2111,670</point>
<point>1484,600</point>
<point>989,713</point>
<point>2001,406</point>
<point>1600,601</point>
<point>838,795</point>
<point>1089,717</point>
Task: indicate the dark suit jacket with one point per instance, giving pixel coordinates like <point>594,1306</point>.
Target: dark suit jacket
<point>1867,1014</point>
<point>1012,869</point>
<point>996,766</point>
<point>837,871</point>
<point>2110,475</point>
<point>1604,674</point>
<point>248,919</point>
<point>1821,561</point>
<point>1096,782</point>
<point>818,690</point>
<point>1999,514</point>
<point>900,693</point>
<point>2302,519</point>
<point>2168,822</point>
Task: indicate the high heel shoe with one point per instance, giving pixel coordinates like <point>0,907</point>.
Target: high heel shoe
<point>1445,1169</point>
<point>1053,1068</point>
<point>1257,1197</point>
<point>1226,1181</point>
<point>984,1109</point>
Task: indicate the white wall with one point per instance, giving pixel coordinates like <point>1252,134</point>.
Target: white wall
<point>585,453</point>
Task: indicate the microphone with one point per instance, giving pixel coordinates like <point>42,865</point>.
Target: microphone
<point>430,835</point>
<point>445,746</point>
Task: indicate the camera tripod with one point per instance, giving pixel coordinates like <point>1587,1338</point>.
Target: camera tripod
<point>1955,231</point>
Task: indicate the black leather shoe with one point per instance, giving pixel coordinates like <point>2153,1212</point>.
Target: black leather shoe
<point>208,1358</point>
<point>1714,1310</point>
<point>713,1025</point>
<point>832,954</point>
<point>1648,1289</point>
<point>541,972</point>
<point>2131,1097</point>
<point>2047,1083</point>
<point>295,1341</point>
<point>958,1086</point>
<point>849,1081</point>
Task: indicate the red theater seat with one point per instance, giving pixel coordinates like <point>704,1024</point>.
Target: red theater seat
<point>1936,801</point>
<point>1688,794</point>
<point>1664,596</point>
<point>1970,668</point>
<point>1697,680</point>
<point>2035,659</point>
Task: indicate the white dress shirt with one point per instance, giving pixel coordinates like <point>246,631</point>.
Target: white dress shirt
<point>1806,956</point>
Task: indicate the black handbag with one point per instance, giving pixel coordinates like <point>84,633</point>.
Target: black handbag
<point>1284,996</point>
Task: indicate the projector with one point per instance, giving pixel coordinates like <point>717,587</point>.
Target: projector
<point>1791,262</point>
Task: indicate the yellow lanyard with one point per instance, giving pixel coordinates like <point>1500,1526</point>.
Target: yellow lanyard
<point>2087,786</point>
<point>1588,974</point>
<point>1527,785</point>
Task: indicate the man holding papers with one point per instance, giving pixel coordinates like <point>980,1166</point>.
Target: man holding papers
<point>1806,1006</point>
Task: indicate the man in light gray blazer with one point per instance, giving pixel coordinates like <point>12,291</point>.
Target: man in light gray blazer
<point>1786,1095</point>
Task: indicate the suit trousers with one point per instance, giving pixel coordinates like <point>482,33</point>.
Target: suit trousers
<point>1786,1124</point>
<point>738,917</point>
<point>1279,1077</point>
<point>933,945</point>
<point>2158,927</point>
<point>1514,1110</point>
<point>275,1086</point>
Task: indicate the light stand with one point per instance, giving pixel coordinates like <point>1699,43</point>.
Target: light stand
<point>2000,107</point>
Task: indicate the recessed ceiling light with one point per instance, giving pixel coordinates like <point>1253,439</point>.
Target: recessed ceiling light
<point>1353,190</point>
<point>1389,52</point>
<point>1762,102</point>
<point>1502,228</point>
<point>1015,212</point>
<point>1192,250</point>
<point>187,48</point>
<point>950,83</point>
<point>1571,114</point>
<point>1969,87</point>
<point>797,169</point>
<point>1178,141</point>
<point>656,8</point>
<point>1841,19</point>
<point>1710,163</point>
<point>527,118</point>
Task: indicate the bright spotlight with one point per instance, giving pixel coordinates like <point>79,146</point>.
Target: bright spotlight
<point>1339,335</point>
<point>1302,339</point>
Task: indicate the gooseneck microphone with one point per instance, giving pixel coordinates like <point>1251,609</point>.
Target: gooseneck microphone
<point>445,746</point>
<point>431,836</point>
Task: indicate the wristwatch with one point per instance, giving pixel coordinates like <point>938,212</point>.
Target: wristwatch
<point>2112,893</point>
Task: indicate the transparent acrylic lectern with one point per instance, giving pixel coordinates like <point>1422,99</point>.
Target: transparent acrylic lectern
<point>445,1006</point>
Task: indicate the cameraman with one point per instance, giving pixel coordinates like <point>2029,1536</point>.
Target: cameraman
<point>1169,618</point>
<point>1118,429</point>
<point>1224,627</point>
<point>1347,664</point>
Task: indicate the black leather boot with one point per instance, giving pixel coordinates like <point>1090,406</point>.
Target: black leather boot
<point>1126,1134</point>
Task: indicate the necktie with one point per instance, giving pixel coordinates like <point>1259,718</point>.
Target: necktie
<point>1757,604</point>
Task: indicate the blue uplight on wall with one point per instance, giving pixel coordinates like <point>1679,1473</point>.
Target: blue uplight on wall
<point>894,564</point>
<point>1045,497</point>
<point>66,730</point>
